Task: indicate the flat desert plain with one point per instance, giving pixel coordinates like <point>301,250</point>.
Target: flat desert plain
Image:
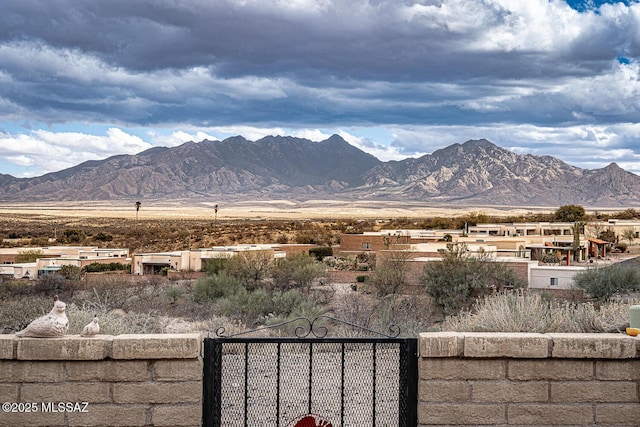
<point>258,209</point>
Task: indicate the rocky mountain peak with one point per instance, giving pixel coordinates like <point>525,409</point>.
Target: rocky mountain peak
<point>474,172</point>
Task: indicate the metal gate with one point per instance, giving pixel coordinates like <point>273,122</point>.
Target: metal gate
<point>310,380</point>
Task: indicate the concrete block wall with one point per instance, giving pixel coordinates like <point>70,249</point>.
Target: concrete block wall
<point>499,379</point>
<point>487,379</point>
<point>125,380</point>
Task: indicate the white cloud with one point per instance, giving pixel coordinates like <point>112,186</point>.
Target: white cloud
<point>614,93</point>
<point>375,148</point>
<point>311,134</point>
<point>46,151</point>
<point>20,160</point>
<point>178,138</point>
<point>591,146</point>
<point>249,132</point>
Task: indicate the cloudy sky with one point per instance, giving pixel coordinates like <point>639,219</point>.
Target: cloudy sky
<point>84,80</point>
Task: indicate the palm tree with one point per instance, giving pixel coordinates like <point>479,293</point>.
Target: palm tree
<point>215,220</point>
<point>138,204</point>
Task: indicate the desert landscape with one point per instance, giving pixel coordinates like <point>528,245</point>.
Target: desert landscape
<point>160,305</point>
<point>258,209</point>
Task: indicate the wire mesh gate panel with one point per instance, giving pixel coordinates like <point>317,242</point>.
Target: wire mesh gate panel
<point>310,382</point>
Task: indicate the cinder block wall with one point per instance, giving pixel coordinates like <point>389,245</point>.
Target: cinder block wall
<point>125,380</point>
<point>529,379</point>
<point>488,379</point>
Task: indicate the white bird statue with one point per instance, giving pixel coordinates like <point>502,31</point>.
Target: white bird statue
<point>91,329</point>
<point>54,324</point>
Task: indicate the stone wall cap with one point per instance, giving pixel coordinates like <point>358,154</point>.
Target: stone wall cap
<point>441,344</point>
<point>157,346</point>
<point>591,346</point>
<point>193,335</point>
<point>68,347</point>
<point>529,345</point>
<point>514,335</point>
<point>506,344</point>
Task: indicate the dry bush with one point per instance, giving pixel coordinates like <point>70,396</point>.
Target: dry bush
<point>18,311</point>
<point>114,322</point>
<point>522,311</point>
<point>411,313</point>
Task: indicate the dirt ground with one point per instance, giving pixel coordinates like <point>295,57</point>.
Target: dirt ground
<point>256,209</point>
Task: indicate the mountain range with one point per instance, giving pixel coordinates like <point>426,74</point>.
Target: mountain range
<point>476,172</point>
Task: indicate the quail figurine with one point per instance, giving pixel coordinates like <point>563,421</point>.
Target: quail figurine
<point>54,324</point>
<point>91,329</point>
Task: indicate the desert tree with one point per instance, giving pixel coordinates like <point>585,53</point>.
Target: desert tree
<point>460,276</point>
<point>628,234</point>
<point>297,271</point>
<point>608,235</point>
<point>137,205</point>
<point>570,213</point>
<point>252,267</point>
<point>390,273</point>
<point>629,213</point>
<point>594,228</point>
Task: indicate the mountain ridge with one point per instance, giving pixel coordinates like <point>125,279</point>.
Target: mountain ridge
<point>474,172</point>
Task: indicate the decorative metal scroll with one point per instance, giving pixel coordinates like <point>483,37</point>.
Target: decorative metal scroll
<point>311,328</point>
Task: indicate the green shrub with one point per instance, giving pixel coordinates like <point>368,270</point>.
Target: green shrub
<point>30,255</point>
<point>299,270</point>
<point>216,286</point>
<point>174,293</point>
<point>229,297</point>
<point>54,284</point>
<point>72,236</point>
<point>602,283</point>
<point>11,288</point>
<point>362,279</point>
<point>251,307</point>
<point>213,265</point>
<point>98,267</point>
<point>550,258</point>
<point>103,237</point>
<point>71,272</point>
<point>321,252</point>
<point>620,246</point>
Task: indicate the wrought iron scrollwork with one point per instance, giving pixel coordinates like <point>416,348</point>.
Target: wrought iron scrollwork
<point>313,328</point>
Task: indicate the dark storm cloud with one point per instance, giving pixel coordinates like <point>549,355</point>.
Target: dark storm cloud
<point>386,40</point>
<point>428,67</point>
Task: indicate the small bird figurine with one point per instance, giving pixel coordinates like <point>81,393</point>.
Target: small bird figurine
<point>91,329</point>
<point>54,324</point>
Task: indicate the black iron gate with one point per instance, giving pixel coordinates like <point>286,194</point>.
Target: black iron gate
<point>310,380</point>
